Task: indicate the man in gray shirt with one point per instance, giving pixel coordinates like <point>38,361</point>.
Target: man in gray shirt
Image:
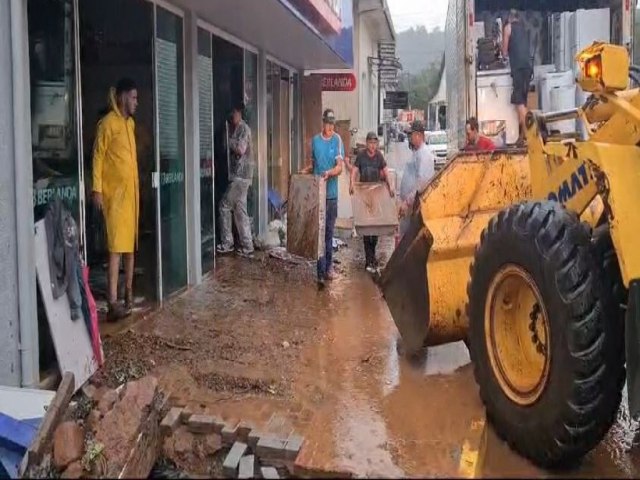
<point>417,173</point>
<point>235,198</point>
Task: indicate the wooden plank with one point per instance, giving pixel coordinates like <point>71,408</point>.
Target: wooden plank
<point>52,418</point>
<point>70,337</point>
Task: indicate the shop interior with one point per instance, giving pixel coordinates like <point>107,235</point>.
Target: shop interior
<point>557,31</point>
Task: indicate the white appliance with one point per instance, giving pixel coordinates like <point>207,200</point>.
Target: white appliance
<point>563,98</point>
<point>551,81</point>
<point>496,115</point>
<point>560,41</point>
<point>586,27</point>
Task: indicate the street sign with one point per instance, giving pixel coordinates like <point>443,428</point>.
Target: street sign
<point>399,100</point>
<point>338,82</point>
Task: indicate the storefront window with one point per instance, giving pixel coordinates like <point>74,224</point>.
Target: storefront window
<point>251,117</point>
<point>278,133</point>
<point>170,87</point>
<point>205,94</point>
<point>54,132</point>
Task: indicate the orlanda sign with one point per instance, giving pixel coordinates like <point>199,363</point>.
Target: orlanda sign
<point>338,82</point>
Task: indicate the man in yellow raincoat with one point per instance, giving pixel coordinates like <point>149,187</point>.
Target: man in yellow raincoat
<point>115,189</point>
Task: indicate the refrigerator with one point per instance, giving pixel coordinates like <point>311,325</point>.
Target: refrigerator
<point>560,41</point>
<point>586,27</point>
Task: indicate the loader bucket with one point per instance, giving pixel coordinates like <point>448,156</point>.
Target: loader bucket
<point>425,281</point>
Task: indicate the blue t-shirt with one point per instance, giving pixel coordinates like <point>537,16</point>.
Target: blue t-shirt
<point>324,153</point>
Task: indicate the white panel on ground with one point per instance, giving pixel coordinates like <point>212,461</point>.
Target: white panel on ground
<point>24,403</point>
<point>70,337</point>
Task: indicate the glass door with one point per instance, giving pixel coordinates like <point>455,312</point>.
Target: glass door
<point>171,157</point>
<point>205,100</point>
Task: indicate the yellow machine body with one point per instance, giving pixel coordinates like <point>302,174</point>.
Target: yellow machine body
<point>595,177</point>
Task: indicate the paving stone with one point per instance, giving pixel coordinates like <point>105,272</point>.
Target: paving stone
<point>229,434</point>
<point>200,423</point>
<point>247,467</point>
<point>171,421</point>
<point>269,472</point>
<point>270,447</point>
<point>293,446</point>
<point>253,438</point>
<point>232,460</point>
<point>219,425</point>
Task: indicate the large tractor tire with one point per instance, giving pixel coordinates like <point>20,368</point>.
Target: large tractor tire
<point>546,332</point>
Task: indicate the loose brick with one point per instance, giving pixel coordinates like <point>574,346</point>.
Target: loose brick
<point>186,413</point>
<point>247,467</point>
<point>171,421</point>
<point>229,434</point>
<point>269,472</point>
<point>270,447</point>
<point>200,423</point>
<point>231,462</point>
<point>253,438</point>
<point>293,446</point>
<point>219,425</point>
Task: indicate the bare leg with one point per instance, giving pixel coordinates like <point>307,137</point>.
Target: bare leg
<point>522,118</point>
<point>128,272</point>
<point>114,269</point>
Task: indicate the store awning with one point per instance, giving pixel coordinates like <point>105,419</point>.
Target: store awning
<point>273,26</point>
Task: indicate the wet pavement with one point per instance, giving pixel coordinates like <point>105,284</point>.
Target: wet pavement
<point>258,339</point>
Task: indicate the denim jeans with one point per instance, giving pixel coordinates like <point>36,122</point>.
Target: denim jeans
<point>325,263</point>
<point>370,243</point>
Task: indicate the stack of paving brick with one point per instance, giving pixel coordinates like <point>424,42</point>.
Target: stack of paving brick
<point>252,454</point>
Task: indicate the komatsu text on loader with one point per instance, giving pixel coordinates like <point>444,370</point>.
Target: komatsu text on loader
<point>533,259</point>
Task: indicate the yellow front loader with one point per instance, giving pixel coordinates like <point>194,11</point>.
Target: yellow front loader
<point>531,257</point>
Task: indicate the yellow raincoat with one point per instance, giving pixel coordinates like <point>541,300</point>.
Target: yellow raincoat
<point>115,175</point>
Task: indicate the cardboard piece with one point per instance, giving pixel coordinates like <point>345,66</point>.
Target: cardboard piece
<point>71,339</point>
<point>306,210</point>
<point>374,210</point>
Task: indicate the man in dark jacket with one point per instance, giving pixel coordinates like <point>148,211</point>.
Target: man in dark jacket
<point>515,44</point>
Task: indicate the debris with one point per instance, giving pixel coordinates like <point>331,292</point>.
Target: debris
<point>55,412</point>
<point>201,423</point>
<point>286,344</point>
<point>273,237</point>
<point>270,447</point>
<point>171,421</point>
<point>247,467</point>
<point>107,401</point>
<point>176,347</point>
<point>14,434</point>
<point>231,462</point>
<point>75,470</point>
<point>94,455</point>
<point>338,244</point>
<point>68,444</point>
<point>281,254</point>
<point>269,473</point>
<point>23,403</point>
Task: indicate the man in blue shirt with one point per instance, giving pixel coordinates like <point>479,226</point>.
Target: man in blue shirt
<point>327,157</point>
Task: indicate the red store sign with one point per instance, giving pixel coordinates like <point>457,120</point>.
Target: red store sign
<point>338,82</point>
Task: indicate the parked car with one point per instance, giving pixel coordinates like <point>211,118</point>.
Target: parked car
<point>437,143</point>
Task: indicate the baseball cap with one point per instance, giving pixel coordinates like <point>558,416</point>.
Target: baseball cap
<point>417,126</point>
<point>328,116</point>
<point>372,136</point>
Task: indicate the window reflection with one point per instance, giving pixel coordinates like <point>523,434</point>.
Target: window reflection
<point>53,128</point>
<point>251,117</point>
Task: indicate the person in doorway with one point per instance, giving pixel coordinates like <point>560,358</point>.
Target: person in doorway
<point>372,167</point>
<point>116,189</point>
<point>417,173</point>
<point>515,45</point>
<point>240,178</point>
<point>476,141</point>
<point>327,158</point>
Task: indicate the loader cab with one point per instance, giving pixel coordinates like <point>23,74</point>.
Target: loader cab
<point>557,32</point>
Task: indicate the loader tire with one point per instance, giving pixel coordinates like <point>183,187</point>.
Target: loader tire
<point>546,332</point>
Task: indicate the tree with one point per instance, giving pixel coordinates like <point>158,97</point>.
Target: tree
<point>423,86</point>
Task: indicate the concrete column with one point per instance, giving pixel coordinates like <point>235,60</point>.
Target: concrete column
<point>261,157</point>
<point>19,359</point>
<point>192,143</point>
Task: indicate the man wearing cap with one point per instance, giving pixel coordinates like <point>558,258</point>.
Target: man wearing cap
<point>371,166</point>
<point>327,156</point>
<point>417,173</point>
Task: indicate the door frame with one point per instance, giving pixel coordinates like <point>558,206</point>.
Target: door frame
<point>156,175</point>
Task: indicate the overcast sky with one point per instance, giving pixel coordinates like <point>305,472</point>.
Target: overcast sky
<point>412,13</point>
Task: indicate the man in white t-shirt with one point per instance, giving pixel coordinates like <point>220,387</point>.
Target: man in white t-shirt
<point>417,173</point>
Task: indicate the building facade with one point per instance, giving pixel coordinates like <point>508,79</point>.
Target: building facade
<point>192,60</point>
